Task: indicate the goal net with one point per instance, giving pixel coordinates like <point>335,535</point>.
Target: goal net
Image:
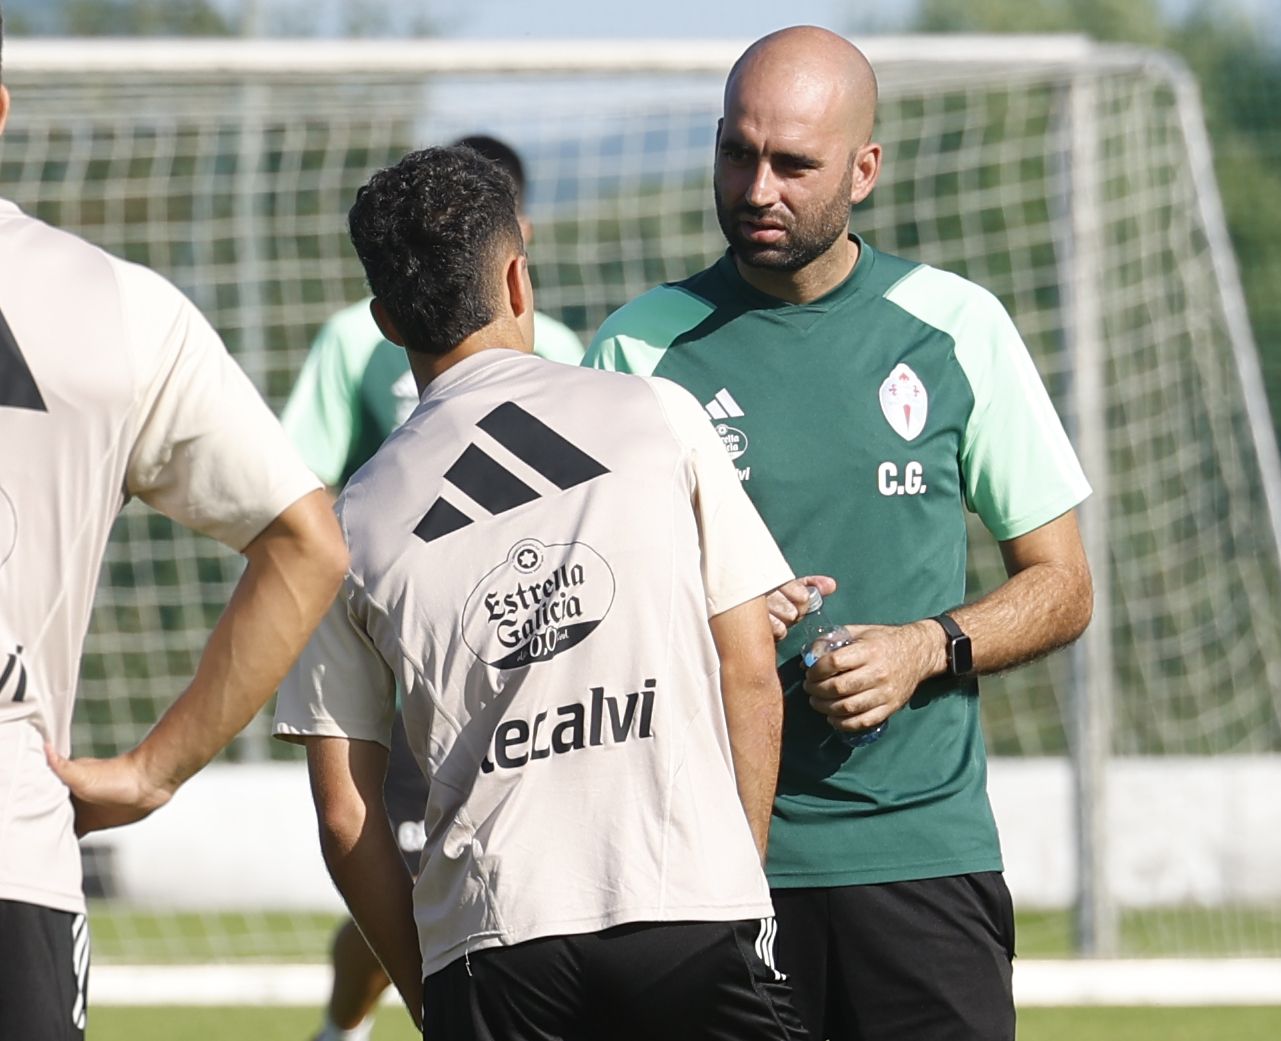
<point>1070,179</point>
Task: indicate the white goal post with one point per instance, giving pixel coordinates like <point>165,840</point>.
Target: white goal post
<point>1074,180</point>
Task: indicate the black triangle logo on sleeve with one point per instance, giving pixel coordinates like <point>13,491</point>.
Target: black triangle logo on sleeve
<point>17,386</point>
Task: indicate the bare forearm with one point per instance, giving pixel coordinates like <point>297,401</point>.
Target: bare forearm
<point>294,569</point>
<point>1033,613</point>
<point>356,840</point>
<point>754,715</point>
<point>368,870</point>
<point>1045,603</point>
<point>753,701</point>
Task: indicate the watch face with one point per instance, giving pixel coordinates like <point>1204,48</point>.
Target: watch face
<point>962,656</point>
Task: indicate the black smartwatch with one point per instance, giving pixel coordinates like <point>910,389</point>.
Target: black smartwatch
<point>960,657</point>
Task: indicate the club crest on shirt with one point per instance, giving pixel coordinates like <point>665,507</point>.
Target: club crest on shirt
<point>541,600</point>
<point>904,402</point>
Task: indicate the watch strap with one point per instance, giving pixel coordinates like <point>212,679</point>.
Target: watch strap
<point>949,625</point>
<point>960,658</point>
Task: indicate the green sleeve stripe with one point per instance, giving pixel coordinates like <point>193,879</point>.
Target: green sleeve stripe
<point>320,415</point>
<point>653,320</point>
<point>1020,469</point>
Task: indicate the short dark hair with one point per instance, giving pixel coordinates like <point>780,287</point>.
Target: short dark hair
<point>504,155</point>
<point>431,232</point>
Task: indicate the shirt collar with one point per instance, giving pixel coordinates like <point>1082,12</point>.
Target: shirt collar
<point>468,367</point>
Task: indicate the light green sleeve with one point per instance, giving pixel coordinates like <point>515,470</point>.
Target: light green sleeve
<point>320,416</point>
<point>556,341</point>
<point>1020,469</point>
<point>635,337</point>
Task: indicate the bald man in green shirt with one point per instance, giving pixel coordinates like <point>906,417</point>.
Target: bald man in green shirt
<point>867,402</point>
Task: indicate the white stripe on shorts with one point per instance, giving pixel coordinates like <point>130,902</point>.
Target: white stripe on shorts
<point>80,965</point>
<point>765,946</point>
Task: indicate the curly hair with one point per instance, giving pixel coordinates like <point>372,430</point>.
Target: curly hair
<point>504,155</point>
<point>431,232</point>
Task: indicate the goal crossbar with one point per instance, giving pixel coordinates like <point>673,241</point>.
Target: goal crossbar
<point>287,58</point>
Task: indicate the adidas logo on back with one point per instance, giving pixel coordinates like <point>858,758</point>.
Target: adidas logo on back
<point>489,484</point>
<point>18,387</point>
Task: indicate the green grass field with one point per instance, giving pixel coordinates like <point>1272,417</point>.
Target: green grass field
<point>228,1024</point>
<point>127,935</point>
<point>122,936</point>
<point>1038,1024</point>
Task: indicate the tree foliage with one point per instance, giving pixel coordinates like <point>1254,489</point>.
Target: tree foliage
<point>1136,21</point>
<point>143,18</point>
<point>218,17</point>
<point>1240,81</point>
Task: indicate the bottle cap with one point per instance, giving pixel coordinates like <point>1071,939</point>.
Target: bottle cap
<point>815,601</point>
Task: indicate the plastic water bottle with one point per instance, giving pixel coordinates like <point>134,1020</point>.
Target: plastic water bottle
<point>821,636</point>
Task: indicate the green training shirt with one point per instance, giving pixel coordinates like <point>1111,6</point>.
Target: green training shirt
<point>862,425</point>
<point>355,388</point>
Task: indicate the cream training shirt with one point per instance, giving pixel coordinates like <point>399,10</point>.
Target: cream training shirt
<point>111,385</point>
<point>535,556</point>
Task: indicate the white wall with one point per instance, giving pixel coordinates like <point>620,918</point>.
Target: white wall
<point>1182,830</point>
<point>233,837</point>
<point>1192,830</point>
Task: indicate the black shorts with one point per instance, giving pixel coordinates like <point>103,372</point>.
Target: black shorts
<point>44,973</point>
<point>651,981</point>
<point>405,795</point>
<point>926,960</point>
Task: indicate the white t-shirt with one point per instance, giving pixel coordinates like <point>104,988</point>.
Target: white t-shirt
<point>535,556</point>
<point>111,385</point>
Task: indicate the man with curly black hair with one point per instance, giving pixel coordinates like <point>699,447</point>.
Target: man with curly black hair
<point>354,389</point>
<point>593,699</point>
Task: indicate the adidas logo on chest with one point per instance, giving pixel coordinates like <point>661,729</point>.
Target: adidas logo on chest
<point>721,409</point>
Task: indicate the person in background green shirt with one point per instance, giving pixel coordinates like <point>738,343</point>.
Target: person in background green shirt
<point>867,402</point>
<point>354,389</point>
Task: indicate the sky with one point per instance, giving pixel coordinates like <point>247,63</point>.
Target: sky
<point>743,19</point>
<point>592,19</point>
<point>724,19</point>
<point>657,19</point>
